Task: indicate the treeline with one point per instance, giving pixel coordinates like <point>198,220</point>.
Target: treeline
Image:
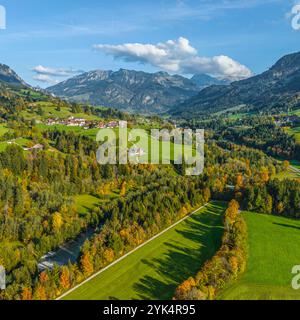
<point>226,265</point>
<point>260,132</point>
<point>280,197</point>
<point>267,136</point>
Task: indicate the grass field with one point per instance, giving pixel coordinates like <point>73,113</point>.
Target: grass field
<point>295,112</point>
<point>295,132</point>
<point>161,151</point>
<point>155,270</point>
<point>273,251</point>
<point>3,130</point>
<point>79,130</point>
<point>295,164</point>
<point>50,111</point>
<point>85,203</point>
<point>19,141</point>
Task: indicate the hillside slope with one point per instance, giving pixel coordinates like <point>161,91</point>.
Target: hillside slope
<point>277,88</point>
<point>9,76</point>
<point>127,89</point>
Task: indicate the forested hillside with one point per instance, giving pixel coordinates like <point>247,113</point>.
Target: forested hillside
<point>274,90</point>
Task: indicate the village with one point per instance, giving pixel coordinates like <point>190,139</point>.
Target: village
<point>80,122</point>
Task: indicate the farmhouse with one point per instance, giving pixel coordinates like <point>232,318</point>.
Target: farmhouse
<point>136,152</point>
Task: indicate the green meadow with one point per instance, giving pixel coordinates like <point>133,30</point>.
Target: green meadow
<point>295,132</point>
<point>3,130</point>
<point>295,164</point>
<point>51,111</point>
<point>273,251</point>
<point>22,142</point>
<point>156,269</point>
<point>85,203</point>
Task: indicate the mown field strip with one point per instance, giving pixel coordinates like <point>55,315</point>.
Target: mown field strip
<point>273,251</point>
<point>158,247</point>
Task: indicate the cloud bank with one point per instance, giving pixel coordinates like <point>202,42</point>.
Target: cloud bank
<point>177,56</point>
<point>49,75</point>
<point>45,79</point>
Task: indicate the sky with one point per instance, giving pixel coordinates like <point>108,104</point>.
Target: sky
<point>46,42</point>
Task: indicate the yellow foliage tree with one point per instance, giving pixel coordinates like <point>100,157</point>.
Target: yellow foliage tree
<point>206,194</point>
<point>65,278</point>
<point>26,294</point>
<point>286,165</point>
<point>57,221</point>
<point>123,189</point>
<point>41,293</point>
<point>109,255</point>
<point>86,264</point>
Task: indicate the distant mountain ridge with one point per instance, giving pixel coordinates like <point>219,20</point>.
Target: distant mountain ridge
<point>277,88</point>
<point>8,76</point>
<point>204,80</point>
<point>135,91</point>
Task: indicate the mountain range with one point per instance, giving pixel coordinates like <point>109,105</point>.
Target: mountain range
<point>277,88</point>
<point>203,80</point>
<point>155,93</point>
<point>134,91</point>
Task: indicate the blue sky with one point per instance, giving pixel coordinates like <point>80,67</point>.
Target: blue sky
<point>58,39</point>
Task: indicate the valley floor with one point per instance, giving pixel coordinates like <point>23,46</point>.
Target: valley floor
<point>156,269</point>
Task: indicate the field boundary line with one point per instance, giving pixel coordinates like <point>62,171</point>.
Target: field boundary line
<point>295,170</point>
<point>130,252</point>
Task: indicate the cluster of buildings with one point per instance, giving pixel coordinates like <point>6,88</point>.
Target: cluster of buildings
<point>79,122</point>
<point>287,120</point>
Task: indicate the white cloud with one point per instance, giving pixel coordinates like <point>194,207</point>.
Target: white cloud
<point>49,75</point>
<point>57,72</point>
<point>177,56</point>
<point>45,79</point>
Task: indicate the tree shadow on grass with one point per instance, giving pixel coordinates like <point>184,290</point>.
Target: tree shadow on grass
<point>286,225</point>
<point>204,233</point>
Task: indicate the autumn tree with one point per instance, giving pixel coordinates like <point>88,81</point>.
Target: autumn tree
<point>286,165</point>
<point>41,293</point>
<point>86,264</point>
<point>57,221</point>
<point>65,278</point>
<point>123,189</point>
<point>26,293</point>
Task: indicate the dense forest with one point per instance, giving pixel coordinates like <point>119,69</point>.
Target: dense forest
<point>260,132</point>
